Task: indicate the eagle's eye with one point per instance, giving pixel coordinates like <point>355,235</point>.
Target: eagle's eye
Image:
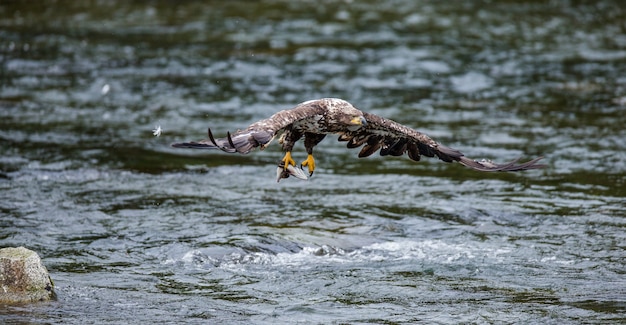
<point>356,123</point>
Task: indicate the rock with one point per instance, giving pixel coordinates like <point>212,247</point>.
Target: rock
<point>23,278</point>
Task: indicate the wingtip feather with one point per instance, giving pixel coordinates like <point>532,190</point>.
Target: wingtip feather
<point>193,145</point>
<point>511,166</point>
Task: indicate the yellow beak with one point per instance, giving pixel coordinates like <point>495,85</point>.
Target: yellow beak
<point>359,120</point>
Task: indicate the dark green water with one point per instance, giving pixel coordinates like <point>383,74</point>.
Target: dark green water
<point>134,232</point>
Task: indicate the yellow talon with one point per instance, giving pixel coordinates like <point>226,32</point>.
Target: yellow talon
<point>310,163</point>
<point>287,160</point>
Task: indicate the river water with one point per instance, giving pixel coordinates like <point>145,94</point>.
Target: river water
<point>134,231</point>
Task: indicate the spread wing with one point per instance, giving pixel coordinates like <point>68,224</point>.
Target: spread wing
<point>259,133</point>
<point>395,139</point>
<point>242,141</point>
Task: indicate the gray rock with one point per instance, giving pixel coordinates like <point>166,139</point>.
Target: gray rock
<point>23,278</point>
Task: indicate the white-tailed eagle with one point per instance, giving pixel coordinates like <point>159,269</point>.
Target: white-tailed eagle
<point>315,119</point>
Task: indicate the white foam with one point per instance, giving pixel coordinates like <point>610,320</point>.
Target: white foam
<point>432,251</point>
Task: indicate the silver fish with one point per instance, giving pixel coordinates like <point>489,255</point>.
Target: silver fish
<point>281,172</point>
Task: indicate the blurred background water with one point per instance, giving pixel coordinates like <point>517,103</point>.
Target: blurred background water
<point>133,231</point>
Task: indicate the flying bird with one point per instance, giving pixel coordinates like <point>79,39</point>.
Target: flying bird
<point>315,119</point>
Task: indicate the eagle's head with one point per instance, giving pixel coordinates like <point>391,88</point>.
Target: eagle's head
<point>345,115</point>
<point>356,122</point>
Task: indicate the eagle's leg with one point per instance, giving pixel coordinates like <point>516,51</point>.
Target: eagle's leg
<point>287,166</point>
<point>310,141</point>
<point>287,140</point>
<point>287,160</point>
<point>309,163</point>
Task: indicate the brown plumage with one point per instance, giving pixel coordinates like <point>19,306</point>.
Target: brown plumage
<point>316,118</point>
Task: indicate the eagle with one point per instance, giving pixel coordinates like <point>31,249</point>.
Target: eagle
<point>314,119</point>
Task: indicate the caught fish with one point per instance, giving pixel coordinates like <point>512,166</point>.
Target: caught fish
<point>281,172</point>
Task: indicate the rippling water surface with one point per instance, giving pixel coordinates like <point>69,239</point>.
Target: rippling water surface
<point>134,231</point>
